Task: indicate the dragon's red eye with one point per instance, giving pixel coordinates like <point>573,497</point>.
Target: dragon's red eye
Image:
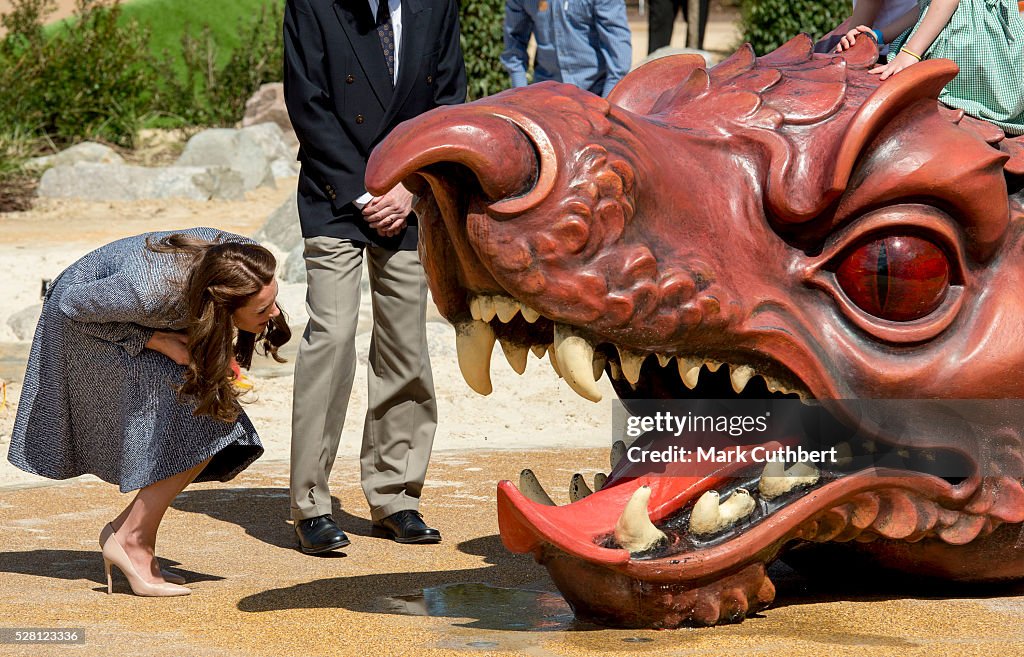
<point>898,278</point>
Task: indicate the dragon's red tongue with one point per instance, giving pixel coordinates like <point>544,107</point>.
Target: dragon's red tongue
<point>576,528</point>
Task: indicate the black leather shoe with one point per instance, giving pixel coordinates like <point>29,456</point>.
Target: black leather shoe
<point>406,527</point>
<point>320,534</point>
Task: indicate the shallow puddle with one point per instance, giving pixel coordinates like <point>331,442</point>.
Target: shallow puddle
<point>492,607</point>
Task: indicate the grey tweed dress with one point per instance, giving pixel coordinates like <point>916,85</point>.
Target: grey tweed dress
<point>95,401</point>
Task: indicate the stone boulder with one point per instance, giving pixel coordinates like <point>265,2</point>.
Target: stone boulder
<point>278,150</point>
<point>282,226</point>
<point>118,182</point>
<point>284,168</point>
<point>267,105</point>
<point>234,149</point>
<point>23,323</point>
<point>87,151</point>
<point>294,270</point>
<point>271,140</point>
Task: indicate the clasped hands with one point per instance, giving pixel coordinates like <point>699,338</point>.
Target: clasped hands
<point>387,214</point>
<point>885,71</point>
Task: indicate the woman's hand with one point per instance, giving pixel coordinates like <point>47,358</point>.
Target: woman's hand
<point>899,62</point>
<point>851,37</point>
<point>172,345</point>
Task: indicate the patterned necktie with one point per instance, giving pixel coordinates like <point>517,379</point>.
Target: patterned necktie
<point>387,35</point>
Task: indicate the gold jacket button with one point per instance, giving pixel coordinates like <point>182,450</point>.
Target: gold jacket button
<point>359,118</point>
<point>350,79</point>
<point>430,79</point>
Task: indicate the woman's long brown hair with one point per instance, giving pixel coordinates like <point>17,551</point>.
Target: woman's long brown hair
<point>222,276</point>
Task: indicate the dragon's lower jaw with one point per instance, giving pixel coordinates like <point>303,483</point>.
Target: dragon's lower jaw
<point>904,519</point>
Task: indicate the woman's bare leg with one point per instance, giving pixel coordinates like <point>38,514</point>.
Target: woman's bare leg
<point>136,527</point>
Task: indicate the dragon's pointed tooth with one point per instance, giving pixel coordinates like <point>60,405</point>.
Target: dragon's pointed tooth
<point>775,481</point>
<point>689,371</point>
<point>805,472</point>
<point>705,518</point>
<point>505,308</point>
<point>599,362</point>
<point>739,505</point>
<point>740,375</point>
<point>486,305</point>
<point>844,453</point>
<point>515,354</point>
<point>575,355</point>
<point>553,360</point>
<point>632,362</point>
<point>663,359</point>
<point>712,365</point>
<point>634,530</point>
<point>618,453</point>
<point>474,342</point>
<point>578,488</point>
<point>529,314</point>
<point>474,308</point>
<point>600,479</point>
<point>614,370</point>
<point>539,350</point>
<point>530,487</point>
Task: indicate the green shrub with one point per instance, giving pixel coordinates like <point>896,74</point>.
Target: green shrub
<point>767,24</point>
<point>208,94</point>
<point>91,78</point>
<point>482,22</point>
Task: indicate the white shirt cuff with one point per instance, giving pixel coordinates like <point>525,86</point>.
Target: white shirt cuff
<point>363,200</point>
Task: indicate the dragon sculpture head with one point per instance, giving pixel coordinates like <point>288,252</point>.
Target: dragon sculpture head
<point>776,226</point>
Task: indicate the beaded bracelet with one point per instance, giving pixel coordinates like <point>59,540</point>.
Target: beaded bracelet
<point>911,53</point>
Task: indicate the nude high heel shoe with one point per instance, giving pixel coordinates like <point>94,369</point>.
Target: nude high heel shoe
<point>108,529</point>
<point>114,555</point>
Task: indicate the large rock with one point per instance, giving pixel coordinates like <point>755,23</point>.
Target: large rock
<point>283,168</point>
<point>23,323</point>
<point>87,151</point>
<point>117,182</point>
<point>271,140</point>
<point>294,270</point>
<point>229,148</point>
<point>267,105</point>
<point>282,226</point>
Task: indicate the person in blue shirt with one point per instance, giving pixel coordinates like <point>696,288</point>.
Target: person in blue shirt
<point>586,43</point>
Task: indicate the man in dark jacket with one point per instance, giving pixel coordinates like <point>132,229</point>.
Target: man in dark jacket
<point>354,69</point>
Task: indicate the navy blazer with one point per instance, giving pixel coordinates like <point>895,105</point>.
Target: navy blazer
<point>342,102</point>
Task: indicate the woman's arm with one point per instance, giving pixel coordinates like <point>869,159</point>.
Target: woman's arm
<point>934,21</point>
<point>866,12</point>
<point>121,310</point>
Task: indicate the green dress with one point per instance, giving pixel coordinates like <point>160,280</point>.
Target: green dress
<point>986,40</point>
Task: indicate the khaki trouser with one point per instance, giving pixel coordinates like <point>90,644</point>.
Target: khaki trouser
<point>401,413</point>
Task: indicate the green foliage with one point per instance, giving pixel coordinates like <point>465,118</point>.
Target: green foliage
<point>226,23</point>
<point>95,76</point>
<point>204,93</point>
<point>482,42</point>
<point>89,79</point>
<point>767,24</point>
